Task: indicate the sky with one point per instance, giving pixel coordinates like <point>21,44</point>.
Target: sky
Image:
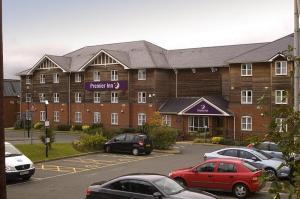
<point>33,28</point>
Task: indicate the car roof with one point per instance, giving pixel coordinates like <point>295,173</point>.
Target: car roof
<point>243,148</point>
<point>141,176</point>
<point>226,160</point>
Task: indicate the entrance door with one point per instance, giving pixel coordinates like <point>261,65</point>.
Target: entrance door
<point>198,124</point>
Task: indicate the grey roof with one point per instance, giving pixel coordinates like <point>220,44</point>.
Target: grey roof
<point>265,52</point>
<point>176,105</point>
<point>63,62</point>
<point>11,87</point>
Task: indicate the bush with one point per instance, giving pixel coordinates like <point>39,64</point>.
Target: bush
<point>110,132</point>
<point>94,131</point>
<point>163,137</point>
<point>95,126</point>
<point>227,141</point>
<point>38,125</point>
<point>129,130</point>
<point>63,127</point>
<point>201,140</point>
<point>90,142</point>
<point>86,128</point>
<point>51,135</point>
<point>217,140</point>
<point>77,127</point>
<point>19,124</point>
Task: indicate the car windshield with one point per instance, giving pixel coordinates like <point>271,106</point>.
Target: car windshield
<point>266,155</point>
<point>168,186</point>
<point>10,150</point>
<point>259,154</point>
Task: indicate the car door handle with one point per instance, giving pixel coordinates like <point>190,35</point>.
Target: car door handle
<point>210,176</point>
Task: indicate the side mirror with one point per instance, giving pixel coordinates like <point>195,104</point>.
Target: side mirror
<point>157,195</point>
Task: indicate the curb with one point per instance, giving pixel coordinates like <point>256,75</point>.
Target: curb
<point>65,157</point>
<point>208,144</point>
<point>174,151</point>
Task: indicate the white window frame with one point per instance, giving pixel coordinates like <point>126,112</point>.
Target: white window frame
<point>77,77</point>
<point>142,97</point>
<point>245,97</point>
<point>246,123</point>
<point>114,75</point>
<point>247,71</point>
<point>42,116</point>
<point>42,78</point>
<point>28,97</point>
<point>55,97</point>
<point>96,76</point>
<point>114,97</point>
<point>78,97</point>
<point>142,74</point>
<point>42,97</point>
<point>142,119</point>
<point>97,97</point>
<point>56,116</point>
<point>56,78</point>
<point>282,69</point>
<point>280,98</point>
<point>279,122</point>
<point>191,122</point>
<point>78,117</point>
<point>97,117</point>
<point>28,80</point>
<point>167,120</point>
<point>114,118</point>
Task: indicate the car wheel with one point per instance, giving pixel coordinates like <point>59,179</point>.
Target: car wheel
<point>148,152</point>
<point>181,181</point>
<point>26,178</point>
<point>107,149</point>
<point>135,151</point>
<point>271,173</point>
<point>240,190</point>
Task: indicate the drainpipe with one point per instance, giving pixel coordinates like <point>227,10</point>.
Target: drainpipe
<point>234,127</point>
<point>69,100</point>
<point>176,86</point>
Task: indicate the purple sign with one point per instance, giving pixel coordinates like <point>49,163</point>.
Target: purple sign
<point>106,86</point>
<point>204,109</point>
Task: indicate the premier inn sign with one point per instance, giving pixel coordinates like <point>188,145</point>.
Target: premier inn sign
<point>106,86</point>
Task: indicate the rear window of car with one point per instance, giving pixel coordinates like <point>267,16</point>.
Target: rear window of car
<point>250,166</point>
<point>274,147</point>
<point>229,152</point>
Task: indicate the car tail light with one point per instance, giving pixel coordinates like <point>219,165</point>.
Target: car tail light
<point>88,192</point>
<point>141,143</point>
<point>255,178</point>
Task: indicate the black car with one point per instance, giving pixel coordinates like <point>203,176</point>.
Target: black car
<point>143,186</point>
<point>131,143</point>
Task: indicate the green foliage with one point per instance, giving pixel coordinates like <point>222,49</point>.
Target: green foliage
<point>129,130</point>
<point>90,142</point>
<point>216,140</point>
<point>19,124</point>
<point>77,127</point>
<point>227,141</point>
<point>93,131</point>
<point>51,135</point>
<point>63,127</point>
<point>155,120</point>
<point>38,125</point>
<point>86,128</point>
<point>110,132</point>
<point>163,137</point>
<point>255,139</point>
<point>96,125</point>
<point>144,129</point>
<point>201,140</point>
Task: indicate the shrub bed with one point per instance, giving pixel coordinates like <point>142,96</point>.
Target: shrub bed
<point>77,127</point>
<point>63,127</point>
<point>163,137</point>
<point>38,125</point>
<point>90,142</point>
<point>217,140</point>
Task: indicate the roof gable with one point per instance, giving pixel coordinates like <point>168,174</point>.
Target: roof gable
<point>47,62</point>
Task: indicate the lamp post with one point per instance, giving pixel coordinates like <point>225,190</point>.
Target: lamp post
<point>28,120</point>
<point>46,128</point>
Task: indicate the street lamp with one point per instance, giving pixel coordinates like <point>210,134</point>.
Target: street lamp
<point>47,140</point>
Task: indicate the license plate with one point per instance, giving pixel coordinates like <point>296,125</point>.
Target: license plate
<point>24,173</point>
<point>147,145</point>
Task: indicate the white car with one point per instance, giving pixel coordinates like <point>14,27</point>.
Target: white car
<point>17,165</point>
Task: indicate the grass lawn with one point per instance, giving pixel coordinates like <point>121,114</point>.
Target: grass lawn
<point>36,152</point>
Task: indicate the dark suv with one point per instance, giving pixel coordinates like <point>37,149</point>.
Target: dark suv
<point>131,143</point>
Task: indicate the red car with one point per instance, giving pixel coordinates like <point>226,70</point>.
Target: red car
<point>220,174</point>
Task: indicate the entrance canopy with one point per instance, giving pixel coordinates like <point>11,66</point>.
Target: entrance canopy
<point>205,106</point>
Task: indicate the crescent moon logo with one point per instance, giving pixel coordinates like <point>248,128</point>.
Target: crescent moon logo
<point>117,85</point>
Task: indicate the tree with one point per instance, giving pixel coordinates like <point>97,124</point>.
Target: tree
<point>155,120</point>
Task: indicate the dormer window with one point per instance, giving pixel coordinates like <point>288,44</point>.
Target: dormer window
<point>281,68</point>
<point>142,74</point>
<point>246,70</point>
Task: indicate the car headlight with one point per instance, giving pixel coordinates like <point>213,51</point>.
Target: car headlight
<point>10,168</point>
<point>31,166</point>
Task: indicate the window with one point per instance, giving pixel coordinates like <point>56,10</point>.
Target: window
<point>142,187</point>
<point>55,78</point>
<point>281,68</point>
<point>246,70</point>
<point>42,78</point>
<point>78,97</point>
<point>208,167</point>
<point>56,97</point>
<point>77,77</point>
<point>198,124</point>
<point>226,168</point>
<point>114,75</point>
<point>42,97</point>
<point>141,97</point>
<point>114,97</point>
<point>229,152</point>
<point>114,119</point>
<point>28,80</point>
<point>96,97</point>
<point>262,146</point>
<point>78,117</point>
<point>141,119</point>
<point>42,116</point>
<point>246,123</point>
<point>167,120</point>
<point>97,117</point>
<point>142,74</point>
<point>281,97</point>
<point>247,155</point>
<point>281,124</point>
<point>96,76</point>
<point>56,116</point>
<point>246,97</point>
<point>28,97</point>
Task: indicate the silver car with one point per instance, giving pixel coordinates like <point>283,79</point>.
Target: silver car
<point>268,147</point>
<point>258,158</point>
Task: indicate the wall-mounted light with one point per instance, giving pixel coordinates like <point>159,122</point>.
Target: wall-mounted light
<point>87,110</point>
